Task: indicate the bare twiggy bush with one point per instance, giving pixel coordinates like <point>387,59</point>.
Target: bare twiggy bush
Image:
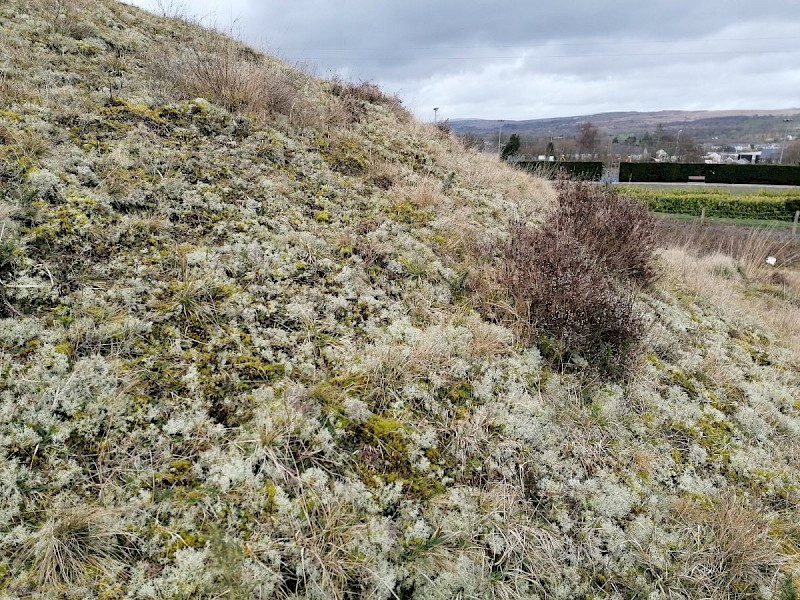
<point>569,278</point>
<point>565,298</point>
<point>75,545</point>
<point>617,230</point>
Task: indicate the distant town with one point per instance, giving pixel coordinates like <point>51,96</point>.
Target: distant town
<point>734,137</point>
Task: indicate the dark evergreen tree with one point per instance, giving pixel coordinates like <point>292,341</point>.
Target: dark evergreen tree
<point>511,147</point>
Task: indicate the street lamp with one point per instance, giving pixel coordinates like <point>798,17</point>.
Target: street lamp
<point>500,136</point>
<point>783,143</point>
<point>435,113</point>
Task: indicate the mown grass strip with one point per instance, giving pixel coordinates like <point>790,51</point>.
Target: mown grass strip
<point>760,206</point>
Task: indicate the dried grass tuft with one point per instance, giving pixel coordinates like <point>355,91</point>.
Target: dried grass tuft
<point>221,69</point>
<point>728,551</point>
<point>76,545</point>
<point>727,264</point>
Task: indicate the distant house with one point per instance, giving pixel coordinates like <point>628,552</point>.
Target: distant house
<point>742,158</point>
<point>752,156</point>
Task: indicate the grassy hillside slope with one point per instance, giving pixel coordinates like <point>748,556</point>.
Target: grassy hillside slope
<point>252,345</point>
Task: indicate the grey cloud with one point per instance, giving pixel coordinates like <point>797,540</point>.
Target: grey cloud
<point>527,60</point>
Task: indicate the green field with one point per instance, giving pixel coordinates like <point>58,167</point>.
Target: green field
<point>752,204</point>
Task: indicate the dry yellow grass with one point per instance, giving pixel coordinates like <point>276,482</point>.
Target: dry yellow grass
<point>719,279</point>
<point>75,545</point>
<point>730,549</point>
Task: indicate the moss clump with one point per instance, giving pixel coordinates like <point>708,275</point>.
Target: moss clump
<point>409,213</point>
<point>179,473</point>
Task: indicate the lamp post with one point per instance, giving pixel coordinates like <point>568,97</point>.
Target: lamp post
<point>783,142</point>
<point>500,136</point>
<point>435,114</point>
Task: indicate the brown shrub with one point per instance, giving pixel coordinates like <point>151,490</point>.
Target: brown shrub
<point>567,302</point>
<point>570,279</point>
<point>619,231</point>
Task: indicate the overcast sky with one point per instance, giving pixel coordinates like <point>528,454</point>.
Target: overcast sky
<point>531,60</point>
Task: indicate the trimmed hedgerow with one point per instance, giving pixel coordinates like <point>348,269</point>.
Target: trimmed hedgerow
<point>589,170</point>
<point>717,203</point>
<point>713,173</point>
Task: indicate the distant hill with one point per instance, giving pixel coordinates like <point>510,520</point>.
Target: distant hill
<point>702,125</point>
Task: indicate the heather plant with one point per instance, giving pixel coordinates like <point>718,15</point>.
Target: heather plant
<point>566,301</point>
<point>618,231</point>
<point>570,278</point>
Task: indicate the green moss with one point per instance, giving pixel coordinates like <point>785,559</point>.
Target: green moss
<point>30,347</point>
<point>344,154</point>
<point>407,212</point>
<point>179,473</point>
<point>458,393</point>
<point>332,392</point>
<point>715,438</point>
<point>684,381</point>
<point>185,539</point>
<point>728,401</point>
<point>414,265</point>
<point>65,348</point>
<point>383,428</point>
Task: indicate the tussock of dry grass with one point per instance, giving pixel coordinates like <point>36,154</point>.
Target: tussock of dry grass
<point>221,69</point>
<point>730,549</point>
<point>75,546</point>
<point>728,266</point>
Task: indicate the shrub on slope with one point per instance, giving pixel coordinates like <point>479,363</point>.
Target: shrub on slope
<point>571,277</point>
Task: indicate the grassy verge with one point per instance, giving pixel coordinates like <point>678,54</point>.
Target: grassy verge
<point>756,205</point>
<point>782,225</point>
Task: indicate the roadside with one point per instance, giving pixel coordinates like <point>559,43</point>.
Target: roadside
<point>782,227</point>
<point>732,188</point>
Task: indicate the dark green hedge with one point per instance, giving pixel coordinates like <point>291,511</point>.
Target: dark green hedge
<point>680,173</point>
<point>780,209</point>
<point>588,170</point>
